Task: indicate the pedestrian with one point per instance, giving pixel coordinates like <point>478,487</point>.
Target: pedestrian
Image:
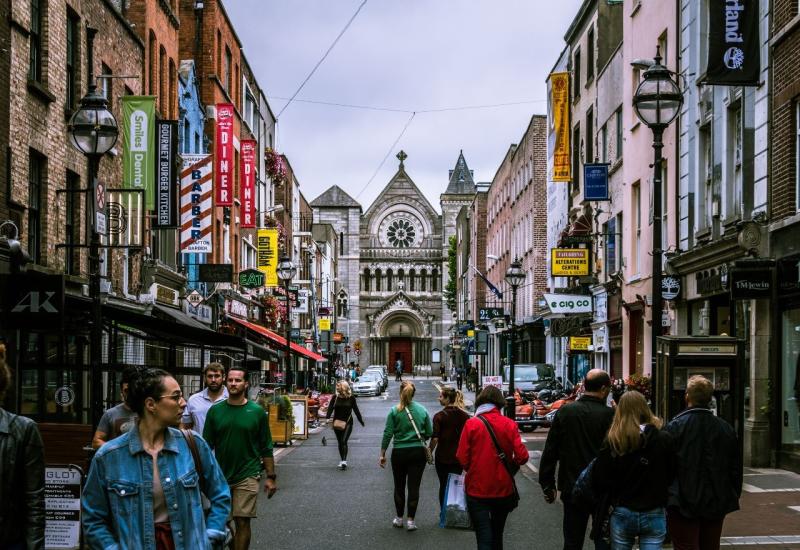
<point>442,373</point>
<point>238,432</point>
<point>708,482</point>
<point>143,489</point>
<point>398,370</point>
<point>343,406</point>
<point>635,467</point>
<point>574,439</point>
<point>409,425</point>
<point>118,419</point>
<point>447,427</point>
<point>21,475</point>
<point>194,417</point>
<point>459,377</point>
<point>489,483</point>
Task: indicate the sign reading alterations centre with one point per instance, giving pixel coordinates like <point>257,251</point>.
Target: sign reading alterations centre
<point>569,262</point>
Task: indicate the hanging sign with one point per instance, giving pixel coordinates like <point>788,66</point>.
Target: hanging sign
<point>251,278</point>
<point>215,273</point>
<point>125,216</point>
<point>247,185</point>
<point>196,204</point>
<point>138,136</point>
<point>568,303</point>
<point>167,150</point>
<point>559,101</point>
<point>580,343</point>
<point>734,56</point>
<point>670,287</point>
<point>223,160</point>
<point>324,324</point>
<point>489,313</point>
<point>569,262</point>
<point>267,255</point>
<point>302,299</point>
<point>751,283</point>
<point>194,298</point>
<point>595,182</point>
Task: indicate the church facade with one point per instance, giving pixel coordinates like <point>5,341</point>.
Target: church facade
<point>392,268</point>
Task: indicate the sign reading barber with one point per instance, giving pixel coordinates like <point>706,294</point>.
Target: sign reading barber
<point>733,45</point>
<point>223,160</point>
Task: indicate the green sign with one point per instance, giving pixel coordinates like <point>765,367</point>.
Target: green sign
<point>138,144</point>
<point>251,278</point>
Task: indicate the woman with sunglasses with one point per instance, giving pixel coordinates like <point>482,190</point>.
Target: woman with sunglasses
<point>143,490</point>
<point>447,427</point>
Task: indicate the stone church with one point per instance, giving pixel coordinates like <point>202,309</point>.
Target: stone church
<point>392,267</point>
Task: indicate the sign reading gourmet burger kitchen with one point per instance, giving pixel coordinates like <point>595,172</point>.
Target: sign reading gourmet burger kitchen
<point>733,45</point>
<point>166,203</point>
<point>138,155</point>
<point>569,262</point>
<point>196,204</point>
<point>248,183</point>
<point>223,160</point>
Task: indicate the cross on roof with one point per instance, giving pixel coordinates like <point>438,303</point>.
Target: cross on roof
<point>402,156</point>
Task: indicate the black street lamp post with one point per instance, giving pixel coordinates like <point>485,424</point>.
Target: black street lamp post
<point>286,272</point>
<point>657,102</point>
<point>93,131</point>
<point>515,276</point>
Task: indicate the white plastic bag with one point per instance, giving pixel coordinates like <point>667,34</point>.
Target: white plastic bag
<point>454,513</point>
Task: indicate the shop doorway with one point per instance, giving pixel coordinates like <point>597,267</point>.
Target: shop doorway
<point>400,348</point>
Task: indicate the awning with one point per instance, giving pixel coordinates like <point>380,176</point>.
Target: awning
<point>280,340</point>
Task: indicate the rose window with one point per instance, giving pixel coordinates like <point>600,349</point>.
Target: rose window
<point>401,233</point>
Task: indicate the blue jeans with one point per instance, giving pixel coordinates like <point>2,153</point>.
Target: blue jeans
<point>626,524</point>
<point>488,517</point>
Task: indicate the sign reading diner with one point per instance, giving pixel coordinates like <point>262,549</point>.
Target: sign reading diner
<point>569,262</point>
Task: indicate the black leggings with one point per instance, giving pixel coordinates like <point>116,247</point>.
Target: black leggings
<point>408,463</point>
<point>341,438</point>
<point>443,471</point>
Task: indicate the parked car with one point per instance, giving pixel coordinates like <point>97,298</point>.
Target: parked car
<point>368,384</point>
<point>383,374</point>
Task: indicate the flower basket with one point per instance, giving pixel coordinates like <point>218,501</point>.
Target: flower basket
<point>271,311</point>
<point>276,168</point>
<point>640,383</point>
<point>272,223</point>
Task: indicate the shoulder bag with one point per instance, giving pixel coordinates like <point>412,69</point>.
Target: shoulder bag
<point>428,453</point>
<point>341,425</point>
<point>511,467</point>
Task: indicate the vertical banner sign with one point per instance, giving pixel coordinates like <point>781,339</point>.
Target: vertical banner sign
<point>734,57</point>
<point>223,161</point>
<point>267,255</point>
<point>559,100</point>
<point>167,147</point>
<point>247,185</point>
<point>138,136</point>
<point>196,204</point>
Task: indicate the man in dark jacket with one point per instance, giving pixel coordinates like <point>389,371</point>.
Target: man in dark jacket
<point>573,441</point>
<point>21,476</point>
<point>709,476</point>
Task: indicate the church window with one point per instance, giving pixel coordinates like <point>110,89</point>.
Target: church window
<point>389,279</point>
<point>423,280</point>
<point>401,279</point>
<point>341,306</point>
<point>378,280</point>
<point>401,233</point>
<point>412,275</point>
<point>434,282</point>
<point>366,280</point>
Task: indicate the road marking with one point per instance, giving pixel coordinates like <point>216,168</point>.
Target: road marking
<point>760,541</point>
<point>795,508</point>
<point>753,489</point>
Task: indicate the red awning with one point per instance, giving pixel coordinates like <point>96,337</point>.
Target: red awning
<point>280,340</point>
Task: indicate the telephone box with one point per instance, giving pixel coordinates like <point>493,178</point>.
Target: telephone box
<point>718,358</point>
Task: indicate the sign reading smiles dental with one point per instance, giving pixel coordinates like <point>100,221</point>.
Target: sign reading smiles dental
<point>138,136</point>
<point>568,303</point>
<point>734,57</point>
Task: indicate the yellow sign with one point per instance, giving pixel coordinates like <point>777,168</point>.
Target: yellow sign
<point>559,101</point>
<point>470,333</point>
<point>324,324</point>
<point>267,255</point>
<point>580,343</point>
<point>569,262</point>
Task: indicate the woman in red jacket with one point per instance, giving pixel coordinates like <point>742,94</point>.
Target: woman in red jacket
<point>490,488</point>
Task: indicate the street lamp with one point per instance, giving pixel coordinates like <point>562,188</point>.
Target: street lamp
<point>515,276</point>
<point>93,131</point>
<point>657,102</point>
<point>286,272</point>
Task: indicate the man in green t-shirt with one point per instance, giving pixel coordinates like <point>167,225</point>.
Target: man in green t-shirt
<point>238,431</point>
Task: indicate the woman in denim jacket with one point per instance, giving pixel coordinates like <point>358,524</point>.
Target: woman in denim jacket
<point>143,491</point>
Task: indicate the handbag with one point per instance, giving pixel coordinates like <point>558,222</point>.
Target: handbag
<point>511,467</point>
<point>341,425</point>
<point>428,453</point>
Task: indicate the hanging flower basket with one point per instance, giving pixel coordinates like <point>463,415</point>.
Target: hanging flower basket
<point>639,383</point>
<point>272,223</point>
<point>276,168</point>
<point>271,311</point>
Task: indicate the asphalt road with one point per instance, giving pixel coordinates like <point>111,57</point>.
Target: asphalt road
<point>319,506</point>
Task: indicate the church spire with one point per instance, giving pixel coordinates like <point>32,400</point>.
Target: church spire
<point>461,182</point>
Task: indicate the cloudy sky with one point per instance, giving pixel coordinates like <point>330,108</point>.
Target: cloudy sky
<point>405,56</point>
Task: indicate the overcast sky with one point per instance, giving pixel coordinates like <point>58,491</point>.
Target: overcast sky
<point>411,55</point>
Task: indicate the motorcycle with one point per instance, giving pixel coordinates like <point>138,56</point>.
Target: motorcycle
<point>539,411</point>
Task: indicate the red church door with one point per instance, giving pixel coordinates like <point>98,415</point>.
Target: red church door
<point>400,348</point>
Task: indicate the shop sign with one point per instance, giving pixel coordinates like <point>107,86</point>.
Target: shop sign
<point>580,343</point>
<point>789,274</point>
<point>267,255</point>
<point>496,381</point>
<point>323,311</point>
<point>199,312</point>
<point>734,47</point>
<point>216,273</point>
<point>164,294</point>
<point>34,300</point>
<point>489,313</point>
<point>324,324</point>
<point>559,100</point>
<point>167,152</point>
<point>302,301</point>
<point>601,307</point>
<point>595,182</point>
<point>670,287</point>
<point>235,307</point>
<point>599,337</point>
<point>138,149</point>
<point>64,396</point>
<point>749,284</point>
<point>125,217</point>
<point>247,185</point>
<point>251,278</point>
<point>196,204</point>
<point>223,160</point>
<point>707,349</point>
<point>62,501</point>
<point>194,298</point>
<point>569,262</point>
<point>569,303</point>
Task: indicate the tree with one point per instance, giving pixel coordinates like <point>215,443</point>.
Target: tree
<point>450,289</point>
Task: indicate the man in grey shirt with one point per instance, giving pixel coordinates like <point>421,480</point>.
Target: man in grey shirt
<point>119,419</point>
<point>194,415</point>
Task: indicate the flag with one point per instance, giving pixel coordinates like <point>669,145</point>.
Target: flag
<point>493,288</point>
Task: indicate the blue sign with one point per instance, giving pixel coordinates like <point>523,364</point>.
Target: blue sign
<point>595,182</point>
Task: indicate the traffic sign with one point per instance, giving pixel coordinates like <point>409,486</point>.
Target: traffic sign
<point>347,349</point>
<point>100,208</point>
<point>358,352</point>
<point>194,298</point>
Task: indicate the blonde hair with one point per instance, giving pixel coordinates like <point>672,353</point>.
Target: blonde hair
<point>455,397</point>
<point>699,390</point>
<point>624,436</point>
<point>343,389</point>
<point>407,391</point>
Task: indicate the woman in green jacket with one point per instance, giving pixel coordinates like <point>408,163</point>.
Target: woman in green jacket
<point>409,424</point>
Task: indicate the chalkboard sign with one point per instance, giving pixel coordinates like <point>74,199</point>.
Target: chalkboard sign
<point>216,273</point>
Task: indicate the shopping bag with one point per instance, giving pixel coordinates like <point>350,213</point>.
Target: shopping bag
<point>454,513</point>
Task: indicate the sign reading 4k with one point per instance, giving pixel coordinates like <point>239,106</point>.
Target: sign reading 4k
<point>32,300</point>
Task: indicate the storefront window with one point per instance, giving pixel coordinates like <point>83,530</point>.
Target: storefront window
<point>29,399</point>
<point>790,402</point>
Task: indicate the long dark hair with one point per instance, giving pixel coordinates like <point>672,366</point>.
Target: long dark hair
<point>150,383</point>
<point>491,394</point>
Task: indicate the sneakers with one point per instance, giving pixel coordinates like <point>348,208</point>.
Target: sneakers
<point>398,522</point>
<point>342,465</point>
<point>411,525</point>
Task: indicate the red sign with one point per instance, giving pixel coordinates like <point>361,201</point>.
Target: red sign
<point>347,349</point>
<point>358,352</point>
<point>223,160</point>
<point>247,185</point>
